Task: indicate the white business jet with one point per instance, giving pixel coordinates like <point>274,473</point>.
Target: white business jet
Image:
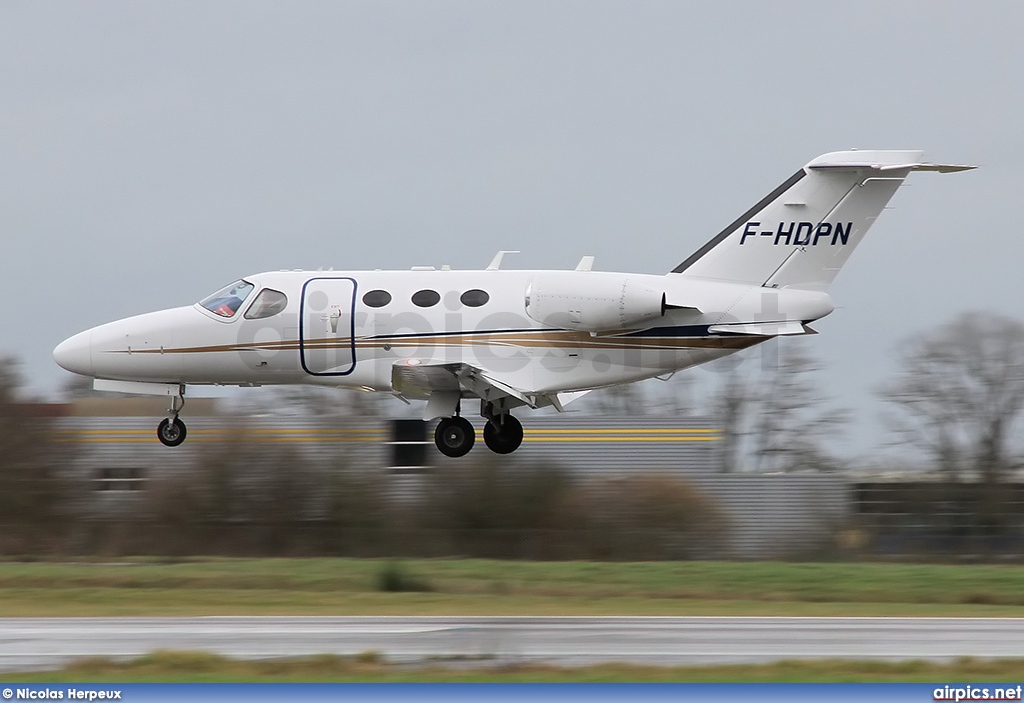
<point>508,338</point>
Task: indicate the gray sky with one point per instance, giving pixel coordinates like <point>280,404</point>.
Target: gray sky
<point>152,152</point>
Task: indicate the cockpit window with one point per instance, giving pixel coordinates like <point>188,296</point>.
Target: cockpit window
<point>226,301</point>
<point>268,303</point>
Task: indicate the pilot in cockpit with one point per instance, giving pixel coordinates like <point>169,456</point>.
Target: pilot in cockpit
<point>226,301</point>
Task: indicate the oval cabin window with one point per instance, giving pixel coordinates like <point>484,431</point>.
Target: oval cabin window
<point>425,298</point>
<point>377,298</point>
<point>474,298</point>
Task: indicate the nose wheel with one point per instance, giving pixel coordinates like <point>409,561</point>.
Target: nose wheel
<point>503,434</point>
<point>171,431</point>
<point>454,436</point>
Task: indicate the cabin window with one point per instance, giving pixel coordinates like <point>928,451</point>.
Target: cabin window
<point>267,304</point>
<point>377,298</point>
<point>227,300</point>
<point>425,298</point>
<point>475,298</point>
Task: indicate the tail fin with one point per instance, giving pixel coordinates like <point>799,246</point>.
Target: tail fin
<point>802,233</point>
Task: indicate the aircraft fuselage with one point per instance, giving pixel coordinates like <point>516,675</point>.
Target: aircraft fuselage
<point>327,334</point>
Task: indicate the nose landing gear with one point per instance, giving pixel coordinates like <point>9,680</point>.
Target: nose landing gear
<point>171,431</point>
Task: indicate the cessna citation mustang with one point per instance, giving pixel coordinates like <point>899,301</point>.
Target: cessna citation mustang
<point>508,338</point>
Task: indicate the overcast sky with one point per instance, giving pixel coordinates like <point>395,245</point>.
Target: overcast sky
<point>152,152</point>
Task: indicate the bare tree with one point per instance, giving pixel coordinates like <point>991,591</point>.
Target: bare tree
<point>32,486</point>
<point>733,402</point>
<point>794,424</point>
<point>960,394</point>
<point>776,418</point>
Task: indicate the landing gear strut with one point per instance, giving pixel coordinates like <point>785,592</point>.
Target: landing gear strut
<point>503,433</point>
<point>454,436</point>
<point>171,431</point>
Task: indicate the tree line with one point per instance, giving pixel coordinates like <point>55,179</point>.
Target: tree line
<point>954,405</point>
<point>248,498</point>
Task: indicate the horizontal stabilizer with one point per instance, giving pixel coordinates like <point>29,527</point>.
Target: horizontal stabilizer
<point>852,166</point>
<point>784,328</point>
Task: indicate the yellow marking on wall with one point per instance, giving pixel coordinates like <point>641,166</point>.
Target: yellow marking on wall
<point>139,440</point>
<point>627,430</point>
<point>580,435</point>
<point>528,438</point>
<point>210,435</point>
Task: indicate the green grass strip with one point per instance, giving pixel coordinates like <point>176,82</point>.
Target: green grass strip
<point>199,667</point>
<point>483,587</point>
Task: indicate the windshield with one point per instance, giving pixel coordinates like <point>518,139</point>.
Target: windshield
<point>226,301</point>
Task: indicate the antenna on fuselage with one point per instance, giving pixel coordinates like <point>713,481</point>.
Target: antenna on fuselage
<point>496,261</point>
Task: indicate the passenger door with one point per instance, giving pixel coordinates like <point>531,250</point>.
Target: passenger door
<point>327,326</point>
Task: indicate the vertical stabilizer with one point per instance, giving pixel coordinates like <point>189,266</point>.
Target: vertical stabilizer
<point>802,233</point>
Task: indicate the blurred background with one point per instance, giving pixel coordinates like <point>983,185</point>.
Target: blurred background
<point>748,472</point>
<point>152,153</point>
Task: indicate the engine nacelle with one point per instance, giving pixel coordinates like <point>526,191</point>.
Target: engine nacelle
<point>593,301</point>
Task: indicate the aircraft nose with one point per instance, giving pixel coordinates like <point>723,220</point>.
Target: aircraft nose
<point>75,353</point>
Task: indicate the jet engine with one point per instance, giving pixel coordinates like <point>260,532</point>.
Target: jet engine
<point>592,301</point>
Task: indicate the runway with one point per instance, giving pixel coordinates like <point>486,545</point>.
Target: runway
<point>38,643</point>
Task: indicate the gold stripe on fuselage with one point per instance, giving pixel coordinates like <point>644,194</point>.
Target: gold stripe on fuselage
<point>537,339</point>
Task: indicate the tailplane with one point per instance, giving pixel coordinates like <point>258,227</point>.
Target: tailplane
<point>802,233</point>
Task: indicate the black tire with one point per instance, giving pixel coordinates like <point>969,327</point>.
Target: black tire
<point>171,434</point>
<point>454,436</point>
<point>503,438</point>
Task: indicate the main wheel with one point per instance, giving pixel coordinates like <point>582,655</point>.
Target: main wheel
<point>171,433</point>
<point>503,438</point>
<point>454,436</point>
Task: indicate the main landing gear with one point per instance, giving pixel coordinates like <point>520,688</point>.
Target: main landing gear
<point>503,434</point>
<point>171,431</point>
<point>455,436</point>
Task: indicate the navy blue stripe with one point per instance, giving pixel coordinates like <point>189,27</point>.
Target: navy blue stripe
<point>460,333</point>
<point>679,331</point>
<point>674,331</point>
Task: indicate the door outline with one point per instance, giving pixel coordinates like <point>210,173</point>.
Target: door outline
<point>352,326</point>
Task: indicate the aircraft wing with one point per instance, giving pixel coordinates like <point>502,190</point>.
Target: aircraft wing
<point>444,384</point>
<point>421,379</point>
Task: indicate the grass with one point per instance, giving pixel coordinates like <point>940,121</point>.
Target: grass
<point>480,587</point>
<point>198,667</point>
<point>483,587</point>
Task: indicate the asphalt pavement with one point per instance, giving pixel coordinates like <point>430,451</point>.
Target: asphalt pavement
<point>37,643</point>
